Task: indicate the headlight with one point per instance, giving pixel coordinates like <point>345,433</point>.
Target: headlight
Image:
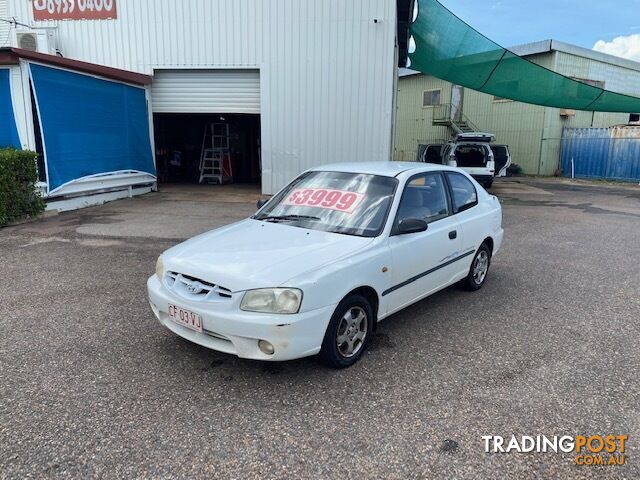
<point>160,268</point>
<point>272,300</point>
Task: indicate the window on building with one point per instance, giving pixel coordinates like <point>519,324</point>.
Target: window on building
<point>634,118</point>
<point>431,98</point>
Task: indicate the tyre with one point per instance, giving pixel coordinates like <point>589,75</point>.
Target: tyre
<point>348,333</point>
<point>488,184</point>
<point>479,269</point>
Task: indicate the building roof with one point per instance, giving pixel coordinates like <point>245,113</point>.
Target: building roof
<point>407,72</point>
<point>558,46</point>
<point>11,56</point>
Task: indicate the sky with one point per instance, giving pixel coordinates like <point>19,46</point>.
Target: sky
<point>610,26</point>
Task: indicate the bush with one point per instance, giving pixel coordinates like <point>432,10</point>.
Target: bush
<point>514,170</point>
<point>18,176</point>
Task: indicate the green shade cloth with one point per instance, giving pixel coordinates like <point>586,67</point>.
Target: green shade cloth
<point>448,48</point>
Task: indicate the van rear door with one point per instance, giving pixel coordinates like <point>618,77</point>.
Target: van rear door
<point>502,158</point>
<point>431,153</point>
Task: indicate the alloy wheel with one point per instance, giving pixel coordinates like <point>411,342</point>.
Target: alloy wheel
<point>480,267</point>
<point>352,331</point>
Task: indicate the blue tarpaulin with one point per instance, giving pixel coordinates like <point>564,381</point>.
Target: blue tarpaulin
<point>8,130</point>
<point>90,126</point>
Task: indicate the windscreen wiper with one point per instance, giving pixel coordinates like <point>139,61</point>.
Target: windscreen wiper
<point>287,218</point>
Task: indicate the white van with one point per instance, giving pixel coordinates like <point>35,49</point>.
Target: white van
<point>473,153</point>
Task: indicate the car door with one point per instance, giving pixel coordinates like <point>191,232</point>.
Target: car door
<point>420,260</point>
<point>502,159</point>
<point>433,154</point>
<point>464,198</point>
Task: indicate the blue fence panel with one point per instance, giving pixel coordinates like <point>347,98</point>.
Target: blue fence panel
<point>607,153</point>
<point>91,126</point>
<point>624,162</point>
<point>8,130</point>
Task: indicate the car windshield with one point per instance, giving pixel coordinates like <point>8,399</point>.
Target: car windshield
<point>338,202</point>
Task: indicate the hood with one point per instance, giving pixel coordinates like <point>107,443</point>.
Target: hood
<point>254,254</point>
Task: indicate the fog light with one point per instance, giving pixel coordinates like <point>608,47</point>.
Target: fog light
<point>265,347</point>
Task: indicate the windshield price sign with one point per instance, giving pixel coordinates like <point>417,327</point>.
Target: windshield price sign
<point>339,200</point>
<point>74,9</point>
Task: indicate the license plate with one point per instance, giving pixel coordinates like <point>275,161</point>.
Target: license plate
<point>186,318</point>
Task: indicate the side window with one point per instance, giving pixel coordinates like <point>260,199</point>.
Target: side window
<point>424,197</point>
<point>463,192</point>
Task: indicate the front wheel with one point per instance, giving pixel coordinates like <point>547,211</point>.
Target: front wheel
<point>479,269</point>
<point>348,332</point>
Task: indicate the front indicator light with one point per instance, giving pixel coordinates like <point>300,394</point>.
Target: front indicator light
<point>272,300</point>
<point>160,267</point>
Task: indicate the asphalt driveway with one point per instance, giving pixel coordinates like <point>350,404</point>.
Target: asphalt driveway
<point>92,386</point>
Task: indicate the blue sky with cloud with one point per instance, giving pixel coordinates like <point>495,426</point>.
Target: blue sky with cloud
<point>612,27</point>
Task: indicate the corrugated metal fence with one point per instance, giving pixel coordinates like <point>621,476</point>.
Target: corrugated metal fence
<point>608,153</point>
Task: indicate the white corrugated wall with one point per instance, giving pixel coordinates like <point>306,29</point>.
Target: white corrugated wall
<point>326,68</point>
<point>4,26</point>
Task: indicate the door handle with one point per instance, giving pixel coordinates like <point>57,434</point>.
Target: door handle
<point>453,235</point>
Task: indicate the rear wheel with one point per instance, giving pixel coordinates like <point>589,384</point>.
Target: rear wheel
<point>479,269</point>
<point>488,184</point>
<point>348,332</point>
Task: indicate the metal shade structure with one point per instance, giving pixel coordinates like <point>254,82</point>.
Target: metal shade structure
<point>448,48</point>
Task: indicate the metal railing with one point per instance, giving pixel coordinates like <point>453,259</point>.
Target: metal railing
<point>444,114</point>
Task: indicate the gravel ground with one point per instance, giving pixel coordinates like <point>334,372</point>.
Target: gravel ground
<point>92,386</point>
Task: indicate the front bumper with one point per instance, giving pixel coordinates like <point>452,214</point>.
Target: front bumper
<point>228,329</point>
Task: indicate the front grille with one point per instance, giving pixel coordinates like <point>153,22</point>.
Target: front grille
<point>196,289</point>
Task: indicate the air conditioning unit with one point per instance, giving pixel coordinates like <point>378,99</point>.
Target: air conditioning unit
<point>41,40</point>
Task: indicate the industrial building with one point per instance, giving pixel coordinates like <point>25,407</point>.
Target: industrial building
<point>277,86</point>
<point>430,110</point>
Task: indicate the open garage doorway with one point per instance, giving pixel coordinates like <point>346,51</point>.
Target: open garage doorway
<point>181,141</point>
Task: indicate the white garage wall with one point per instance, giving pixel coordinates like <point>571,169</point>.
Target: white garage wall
<point>326,68</point>
<point>4,26</point>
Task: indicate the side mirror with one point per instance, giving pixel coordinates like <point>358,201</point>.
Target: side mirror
<point>261,203</point>
<point>412,225</point>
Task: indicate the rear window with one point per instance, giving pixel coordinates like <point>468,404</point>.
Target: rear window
<point>471,156</point>
<point>463,191</point>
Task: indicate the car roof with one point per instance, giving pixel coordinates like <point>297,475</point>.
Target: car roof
<point>385,169</point>
<point>477,136</point>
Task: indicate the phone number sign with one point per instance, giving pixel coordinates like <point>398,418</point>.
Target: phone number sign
<point>74,9</point>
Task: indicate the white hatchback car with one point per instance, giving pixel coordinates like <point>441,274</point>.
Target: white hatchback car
<point>320,264</point>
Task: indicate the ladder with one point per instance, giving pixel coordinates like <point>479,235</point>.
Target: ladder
<point>215,161</point>
<point>211,165</point>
